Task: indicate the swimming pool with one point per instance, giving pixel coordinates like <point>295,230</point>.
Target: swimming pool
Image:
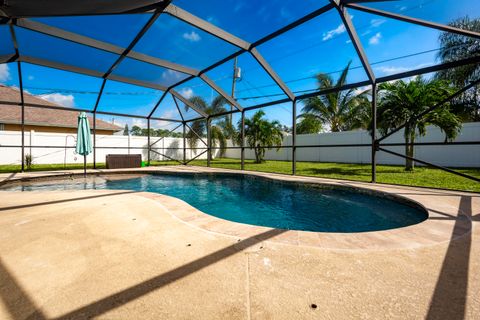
<point>264,202</point>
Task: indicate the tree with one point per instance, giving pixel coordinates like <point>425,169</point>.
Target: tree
<point>339,109</point>
<point>144,132</point>
<point>454,47</point>
<point>136,131</point>
<point>220,130</point>
<point>309,124</point>
<point>261,134</point>
<point>125,131</point>
<point>402,102</point>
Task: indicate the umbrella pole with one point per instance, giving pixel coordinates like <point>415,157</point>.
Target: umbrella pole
<point>84,166</point>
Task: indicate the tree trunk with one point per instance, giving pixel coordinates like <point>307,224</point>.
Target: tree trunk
<point>257,155</point>
<point>409,151</point>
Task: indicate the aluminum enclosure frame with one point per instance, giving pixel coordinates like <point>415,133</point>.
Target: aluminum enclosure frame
<point>165,7</point>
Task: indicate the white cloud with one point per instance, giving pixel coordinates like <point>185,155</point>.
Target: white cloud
<point>348,41</point>
<point>377,22</point>
<point>403,8</point>
<point>58,98</point>
<point>360,90</point>
<point>30,78</point>
<point>139,122</point>
<point>330,34</point>
<point>366,32</point>
<point>4,73</point>
<point>168,114</point>
<point>192,36</point>
<point>171,76</point>
<point>187,92</point>
<point>375,39</point>
<point>374,23</point>
<point>389,70</point>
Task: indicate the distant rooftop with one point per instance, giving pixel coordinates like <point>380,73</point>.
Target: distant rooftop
<point>42,116</point>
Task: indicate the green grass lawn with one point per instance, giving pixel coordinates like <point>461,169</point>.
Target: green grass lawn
<point>425,177</point>
<point>48,167</point>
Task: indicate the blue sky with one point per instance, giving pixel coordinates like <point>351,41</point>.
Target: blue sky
<point>321,45</point>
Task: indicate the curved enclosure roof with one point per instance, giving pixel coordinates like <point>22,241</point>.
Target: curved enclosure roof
<point>164,52</point>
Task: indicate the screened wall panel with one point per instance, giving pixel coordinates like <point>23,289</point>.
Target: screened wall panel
<point>203,97</point>
<point>105,28</point>
<point>6,44</point>
<point>119,97</point>
<point>168,109</point>
<point>314,55</point>
<point>193,47</point>
<point>391,52</point>
<point>10,116</point>
<point>9,83</point>
<point>278,157</point>
<point>252,85</point>
<point>196,140</point>
<point>151,74</point>
<point>440,11</point>
<point>60,88</point>
<point>319,46</point>
<point>250,20</point>
<point>166,143</point>
<point>131,137</point>
<point>38,45</point>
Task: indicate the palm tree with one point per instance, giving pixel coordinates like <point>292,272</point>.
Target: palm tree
<point>339,109</point>
<point>454,47</point>
<point>220,130</point>
<point>261,134</point>
<point>402,102</point>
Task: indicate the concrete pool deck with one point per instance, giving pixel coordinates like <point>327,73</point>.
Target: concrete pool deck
<point>125,254</point>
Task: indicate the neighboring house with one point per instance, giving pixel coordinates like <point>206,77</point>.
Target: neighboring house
<point>43,119</point>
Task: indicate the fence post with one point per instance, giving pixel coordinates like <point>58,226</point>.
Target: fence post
<point>209,143</point>
<point>148,141</point>
<point>20,82</point>
<point>294,137</point>
<point>94,140</point>
<point>374,132</point>
<point>129,142</point>
<point>184,144</point>
<point>242,150</point>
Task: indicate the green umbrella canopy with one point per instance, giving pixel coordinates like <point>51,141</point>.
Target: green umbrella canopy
<point>84,138</point>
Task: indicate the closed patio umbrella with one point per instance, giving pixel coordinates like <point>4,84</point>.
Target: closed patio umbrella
<point>84,140</point>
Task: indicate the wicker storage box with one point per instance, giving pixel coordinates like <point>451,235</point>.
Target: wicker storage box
<point>116,161</point>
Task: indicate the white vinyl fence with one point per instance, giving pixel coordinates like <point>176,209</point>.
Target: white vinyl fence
<point>62,152</point>
<point>453,156</point>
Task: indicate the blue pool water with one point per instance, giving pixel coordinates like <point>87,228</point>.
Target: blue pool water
<point>263,202</point>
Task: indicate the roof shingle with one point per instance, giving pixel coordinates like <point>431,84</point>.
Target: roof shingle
<point>42,116</point>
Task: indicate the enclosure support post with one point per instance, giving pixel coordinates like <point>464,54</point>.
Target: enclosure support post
<point>242,150</point>
<point>20,82</point>
<point>148,141</point>
<point>294,137</point>
<point>209,143</point>
<point>94,140</point>
<point>184,144</point>
<point>374,133</point>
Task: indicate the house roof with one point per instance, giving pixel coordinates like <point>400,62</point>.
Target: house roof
<point>42,116</point>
